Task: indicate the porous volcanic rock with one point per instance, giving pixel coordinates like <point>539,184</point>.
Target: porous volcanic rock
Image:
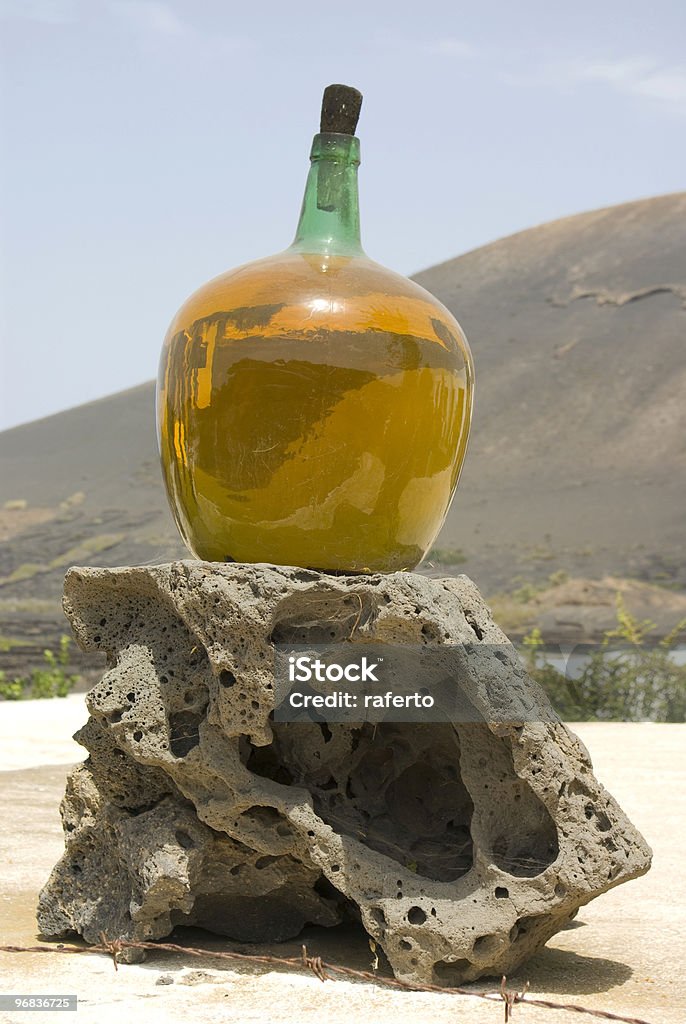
<point>461,846</point>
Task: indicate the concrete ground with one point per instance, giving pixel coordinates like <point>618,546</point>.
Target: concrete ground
<point>623,953</point>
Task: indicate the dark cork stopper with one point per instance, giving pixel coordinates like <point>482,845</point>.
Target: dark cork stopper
<point>340,109</point>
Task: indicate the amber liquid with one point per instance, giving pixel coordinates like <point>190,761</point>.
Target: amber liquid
<point>313,410</point>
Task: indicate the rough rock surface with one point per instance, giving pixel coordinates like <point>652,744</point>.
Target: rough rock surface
<point>461,847</point>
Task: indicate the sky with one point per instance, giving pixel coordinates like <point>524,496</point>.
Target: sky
<point>149,145</point>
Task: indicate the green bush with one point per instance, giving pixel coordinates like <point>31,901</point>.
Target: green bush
<point>447,556</point>
<point>624,680</point>
<point>11,690</point>
<point>53,681</point>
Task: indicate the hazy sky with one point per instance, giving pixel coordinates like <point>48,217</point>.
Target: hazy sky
<point>148,145</point>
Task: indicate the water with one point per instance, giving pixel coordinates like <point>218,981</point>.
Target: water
<point>571,659</point>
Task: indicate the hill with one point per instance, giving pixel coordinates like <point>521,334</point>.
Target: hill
<point>578,453</point>
<point>578,450</point>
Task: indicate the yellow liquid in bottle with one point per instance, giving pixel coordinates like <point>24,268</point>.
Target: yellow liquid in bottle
<point>313,410</point>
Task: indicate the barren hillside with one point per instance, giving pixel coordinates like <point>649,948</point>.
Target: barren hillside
<point>578,453</point>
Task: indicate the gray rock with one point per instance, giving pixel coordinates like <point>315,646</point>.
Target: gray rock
<point>461,846</point>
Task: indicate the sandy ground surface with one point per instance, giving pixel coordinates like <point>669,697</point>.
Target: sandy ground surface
<point>623,953</point>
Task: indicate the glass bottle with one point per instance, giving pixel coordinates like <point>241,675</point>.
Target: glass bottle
<point>314,407</point>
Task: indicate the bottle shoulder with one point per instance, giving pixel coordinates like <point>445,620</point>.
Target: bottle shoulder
<point>292,291</point>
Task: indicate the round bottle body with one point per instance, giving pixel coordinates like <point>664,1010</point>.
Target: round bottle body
<point>313,410</point>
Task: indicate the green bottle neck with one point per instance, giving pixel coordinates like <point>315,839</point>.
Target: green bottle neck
<point>330,216</point>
